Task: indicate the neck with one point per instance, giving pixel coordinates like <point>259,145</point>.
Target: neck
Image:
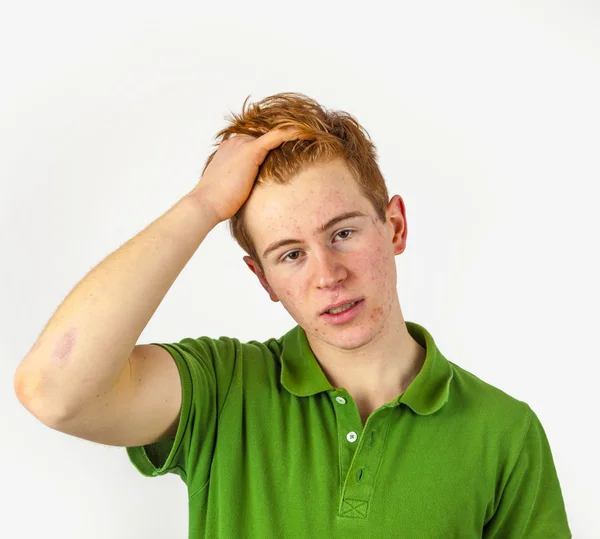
<point>378,371</point>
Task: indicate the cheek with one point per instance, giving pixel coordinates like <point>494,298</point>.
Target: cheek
<point>375,266</point>
<point>377,314</point>
<point>379,269</point>
<point>292,296</point>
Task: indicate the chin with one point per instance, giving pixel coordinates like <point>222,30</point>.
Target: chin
<point>351,339</point>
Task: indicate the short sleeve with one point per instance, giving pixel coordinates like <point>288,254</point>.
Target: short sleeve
<point>206,369</point>
<point>531,504</point>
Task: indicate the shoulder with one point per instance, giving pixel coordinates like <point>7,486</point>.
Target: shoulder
<point>211,350</point>
<point>226,346</point>
<point>493,407</point>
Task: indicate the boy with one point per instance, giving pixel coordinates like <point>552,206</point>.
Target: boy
<point>352,424</point>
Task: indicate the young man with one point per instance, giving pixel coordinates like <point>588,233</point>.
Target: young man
<point>352,424</point>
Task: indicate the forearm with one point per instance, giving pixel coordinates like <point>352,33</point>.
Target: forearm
<point>86,344</point>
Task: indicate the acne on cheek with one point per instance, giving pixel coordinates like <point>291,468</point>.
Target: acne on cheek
<point>377,313</point>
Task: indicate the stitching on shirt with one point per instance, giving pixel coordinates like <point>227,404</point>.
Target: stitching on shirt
<point>354,508</point>
<point>200,489</point>
<point>237,351</point>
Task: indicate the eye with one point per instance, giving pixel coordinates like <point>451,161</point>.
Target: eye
<point>288,257</point>
<point>285,258</point>
<point>350,232</point>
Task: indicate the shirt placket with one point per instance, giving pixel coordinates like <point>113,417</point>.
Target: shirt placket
<point>360,453</point>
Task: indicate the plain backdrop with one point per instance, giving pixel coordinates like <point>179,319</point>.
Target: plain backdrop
<point>486,119</point>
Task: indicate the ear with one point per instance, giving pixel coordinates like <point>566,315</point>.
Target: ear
<point>255,268</point>
<point>396,219</point>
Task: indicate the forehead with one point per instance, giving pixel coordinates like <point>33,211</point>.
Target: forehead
<point>311,198</point>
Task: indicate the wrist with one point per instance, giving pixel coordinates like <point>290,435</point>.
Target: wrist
<point>202,203</point>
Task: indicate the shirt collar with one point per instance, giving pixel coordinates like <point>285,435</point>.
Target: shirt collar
<point>302,375</point>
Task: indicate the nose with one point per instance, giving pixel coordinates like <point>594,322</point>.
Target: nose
<point>328,269</point>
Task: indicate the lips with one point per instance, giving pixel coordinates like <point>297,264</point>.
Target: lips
<point>339,304</point>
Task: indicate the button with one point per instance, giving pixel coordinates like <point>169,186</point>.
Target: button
<point>351,436</point>
<point>341,400</point>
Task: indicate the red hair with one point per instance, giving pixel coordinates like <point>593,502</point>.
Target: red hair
<point>332,134</point>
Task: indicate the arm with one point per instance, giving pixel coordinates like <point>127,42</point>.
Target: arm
<point>78,368</point>
<point>85,346</point>
<point>531,504</point>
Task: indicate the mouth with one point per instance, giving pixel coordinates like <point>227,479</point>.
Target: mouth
<point>344,313</point>
<point>341,306</point>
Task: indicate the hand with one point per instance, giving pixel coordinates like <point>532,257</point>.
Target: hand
<point>230,175</point>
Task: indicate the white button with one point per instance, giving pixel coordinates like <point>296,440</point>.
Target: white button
<point>341,400</point>
<point>351,436</point>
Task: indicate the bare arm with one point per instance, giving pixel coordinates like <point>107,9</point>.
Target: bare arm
<point>85,345</point>
<point>76,372</point>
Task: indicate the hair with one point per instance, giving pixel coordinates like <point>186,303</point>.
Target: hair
<point>327,135</point>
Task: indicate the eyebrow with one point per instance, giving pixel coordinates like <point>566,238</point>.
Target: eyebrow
<point>319,230</point>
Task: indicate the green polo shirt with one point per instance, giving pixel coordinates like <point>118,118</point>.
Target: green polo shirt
<point>269,449</point>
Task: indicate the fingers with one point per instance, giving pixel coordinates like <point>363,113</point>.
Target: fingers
<point>275,137</point>
<point>271,138</point>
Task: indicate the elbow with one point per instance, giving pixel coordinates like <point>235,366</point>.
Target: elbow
<point>27,391</point>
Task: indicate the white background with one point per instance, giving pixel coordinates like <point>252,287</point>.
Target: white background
<point>486,118</point>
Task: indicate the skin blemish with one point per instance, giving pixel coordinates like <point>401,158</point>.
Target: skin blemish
<point>64,348</point>
<point>329,266</point>
<point>378,312</point>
